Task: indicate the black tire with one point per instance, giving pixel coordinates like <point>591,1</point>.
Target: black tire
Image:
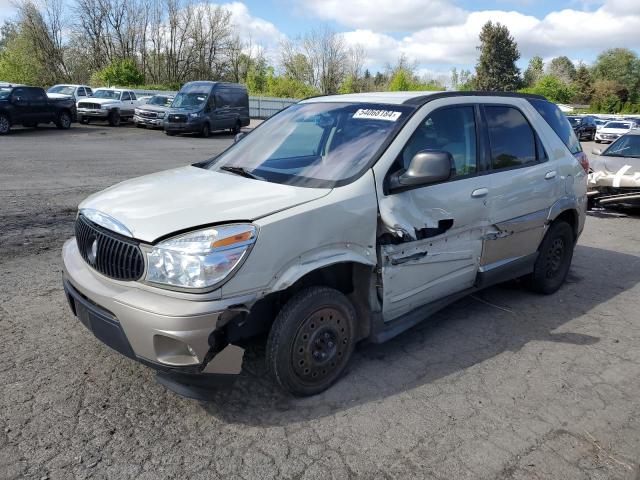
<point>171,134</point>
<point>64,121</point>
<point>598,141</point>
<point>139,125</point>
<point>592,137</point>
<point>205,132</point>
<point>236,128</point>
<point>114,118</point>
<point>84,120</point>
<point>554,259</point>
<point>311,341</point>
<point>5,124</point>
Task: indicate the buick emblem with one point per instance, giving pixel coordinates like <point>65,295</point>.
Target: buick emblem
<point>92,252</point>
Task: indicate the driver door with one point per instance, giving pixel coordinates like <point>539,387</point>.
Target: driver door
<point>438,229</point>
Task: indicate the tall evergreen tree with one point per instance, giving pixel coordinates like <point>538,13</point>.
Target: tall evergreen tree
<point>496,69</point>
<point>562,68</point>
<point>534,71</point>
<point>582,84</point>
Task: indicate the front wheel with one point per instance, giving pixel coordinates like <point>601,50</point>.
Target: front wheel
<point>206,130</point>
<point>598,141</point>
<point>64,121</point>
<point>311,341</point>
<point>114,118</point>
<point>5,124</point>
<point>554,259</point>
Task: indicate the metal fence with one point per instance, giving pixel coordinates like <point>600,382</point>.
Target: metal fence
<point>264,107</point>
<point>259,107</point>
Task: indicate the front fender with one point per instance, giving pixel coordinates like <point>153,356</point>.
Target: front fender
<point>317,259</point>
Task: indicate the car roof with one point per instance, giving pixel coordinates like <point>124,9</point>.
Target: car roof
<point>409,98</point>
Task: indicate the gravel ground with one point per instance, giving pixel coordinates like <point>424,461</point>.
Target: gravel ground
<point>505,384</point>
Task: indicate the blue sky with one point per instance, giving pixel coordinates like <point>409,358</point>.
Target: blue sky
<point>441,34</point>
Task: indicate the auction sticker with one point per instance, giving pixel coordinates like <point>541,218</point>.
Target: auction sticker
<point>371,114</point>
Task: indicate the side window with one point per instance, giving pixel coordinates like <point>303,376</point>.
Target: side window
<point>19,92</point>
<point>125,96</point>
<point>81,92</point>
<point>89,91</point>
<point>451,130</point>
<point>511,138</point>
<point>37,94</point>
<point>558,122</point>
<point>133,96</point>
<point>211,102</point>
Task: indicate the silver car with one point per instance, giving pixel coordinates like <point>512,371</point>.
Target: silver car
<point>339,219</point>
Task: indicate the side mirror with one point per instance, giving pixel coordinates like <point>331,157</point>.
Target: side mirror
<point>239,136</point>
<point>596,151</point>
<point>426,166</point>
<point>16,99</point>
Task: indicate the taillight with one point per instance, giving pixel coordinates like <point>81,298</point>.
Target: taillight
<point>583,159</point>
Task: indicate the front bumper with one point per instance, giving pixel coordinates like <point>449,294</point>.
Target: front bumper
<point>613,189</point>
<point>150,122</point>
<point>607,137</point>
<point>193,126</point>
<point>177,334</point>
<point>86,112</point>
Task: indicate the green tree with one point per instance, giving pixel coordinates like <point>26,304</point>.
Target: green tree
<point>123,73</point>
<point>622,66</point>
<point>582,85</point>
<point>17,62</point>
<point>563,68</point>
<point>552,88</point>
<point>606,96</point>
<point>496,69</point>
<point>400,81</point>
<point>534,71</point>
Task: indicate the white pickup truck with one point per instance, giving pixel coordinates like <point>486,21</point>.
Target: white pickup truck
<point>111,104</point>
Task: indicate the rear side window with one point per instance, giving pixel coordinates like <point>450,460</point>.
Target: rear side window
<point>512,140</point>
<point>558,122</point>
<point>126,96</point>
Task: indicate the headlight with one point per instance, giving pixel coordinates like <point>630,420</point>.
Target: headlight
<point>161,114</point>
<point>194,115</point>
<point>200,259</point>
<point>136,111</point>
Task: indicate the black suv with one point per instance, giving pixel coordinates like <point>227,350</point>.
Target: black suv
<point>584,127</point>
<point>29,106</point>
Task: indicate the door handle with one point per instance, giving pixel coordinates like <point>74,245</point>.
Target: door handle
<point>550,175</point>
<point>480,192</point>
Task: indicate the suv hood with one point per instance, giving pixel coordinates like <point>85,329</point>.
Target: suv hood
<point>614,130</point>
<point>153,108</point>
<point>610,164</point>
<point>185,198</point>
<point>58,95</point>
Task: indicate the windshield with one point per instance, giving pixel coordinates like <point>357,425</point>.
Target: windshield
<point>5,92</point>
<point>623,125</point>
<point>191,96</point>
<point>574,121</point>
<point>627,146</point>
<point>315,144</point>
<point>62,89</point>
<point>160,100</point>
<point>113,94</point>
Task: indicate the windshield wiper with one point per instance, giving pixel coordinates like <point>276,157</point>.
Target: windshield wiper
<point>240,171</point>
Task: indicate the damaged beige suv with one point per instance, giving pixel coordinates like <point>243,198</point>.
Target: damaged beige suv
<point>340,219</point>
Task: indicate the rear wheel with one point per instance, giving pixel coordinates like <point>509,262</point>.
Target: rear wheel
<point>554,259</point>
<point>5,124</point>
<point>64,121</point>
<point>311,341</point>
<point>206,130</point>
<point>236,128</point>
<point>114,118</point>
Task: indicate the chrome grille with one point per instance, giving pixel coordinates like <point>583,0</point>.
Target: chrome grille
<point>177,118</point>
<point>89,105</point>
<point>107,252</point>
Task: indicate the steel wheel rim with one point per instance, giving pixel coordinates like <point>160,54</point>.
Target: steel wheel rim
<point>66,121</point>
<point>555,257</point>
<point>4,125</point>
<point>321,345</point>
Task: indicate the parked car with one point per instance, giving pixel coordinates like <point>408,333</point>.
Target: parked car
<point>614,178</point>
<point>77,92</point>
<point>74,92</point>
<point>30,106</point>
<point>613,130</point>
<point>202,107</point>
<point>152,113</point>
<point>339,219</point>
<point>144,99</point>
<point>584,127</point>
<point>600,122</point>
<point>111,104</point>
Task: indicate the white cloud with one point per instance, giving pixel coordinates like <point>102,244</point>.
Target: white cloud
<point>247,26</point>
<point>614,24</point>
<point>386,15</point>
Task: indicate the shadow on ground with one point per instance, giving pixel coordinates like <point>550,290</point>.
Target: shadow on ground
<point>467,333</point>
